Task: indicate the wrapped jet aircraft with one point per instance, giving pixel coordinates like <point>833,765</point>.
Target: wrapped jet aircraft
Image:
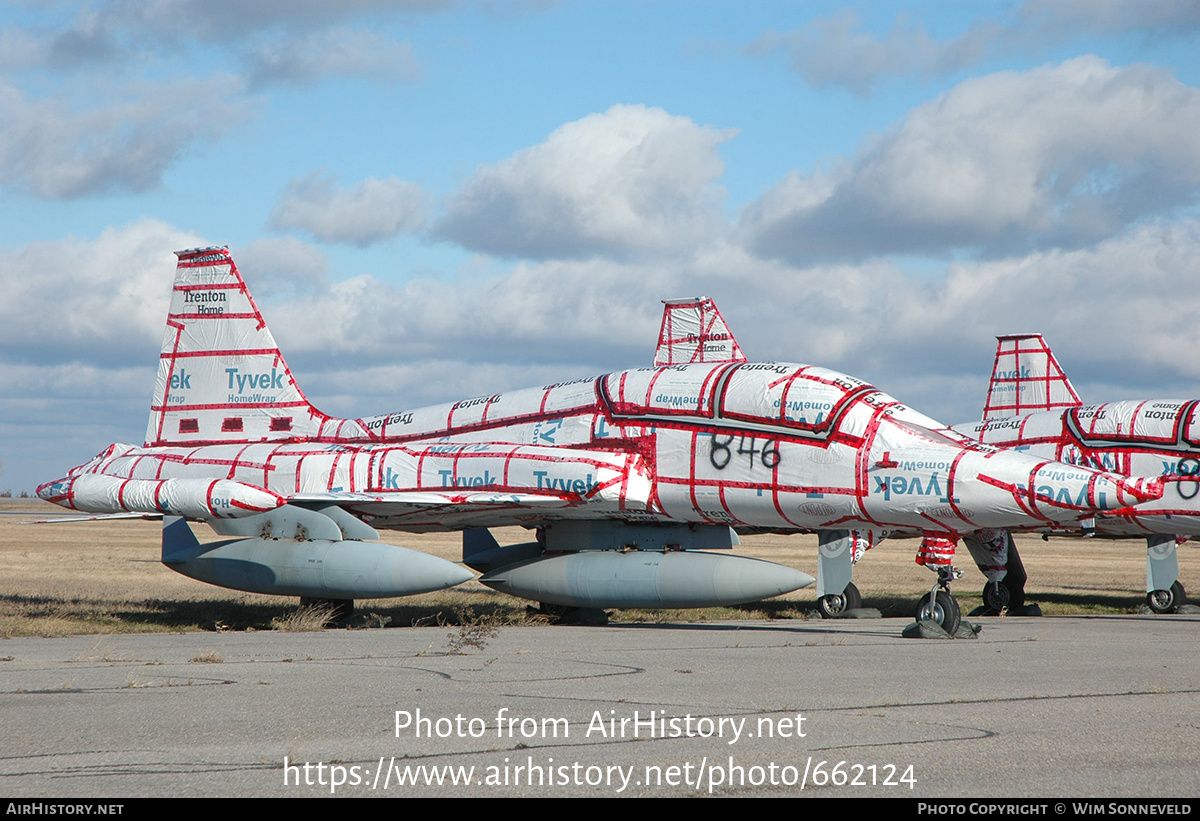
<point>630,480</point>
<point>1032,408</point>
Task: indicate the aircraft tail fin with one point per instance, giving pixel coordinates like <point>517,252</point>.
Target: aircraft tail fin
<point>1026,378</point>
<point>221,376</point>
<point>693,330</point>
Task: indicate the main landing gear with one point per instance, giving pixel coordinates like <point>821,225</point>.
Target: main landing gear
<point>837,552</point>
<point>1164,591</point>
<point>835,605</point>
<point>1167,601</point>
<point>995,598</point>
<point>1007,593</point>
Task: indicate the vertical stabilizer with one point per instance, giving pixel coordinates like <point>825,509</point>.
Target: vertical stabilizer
<point>693,330</point>
<point>1026,378</point>
<point>221,377</point>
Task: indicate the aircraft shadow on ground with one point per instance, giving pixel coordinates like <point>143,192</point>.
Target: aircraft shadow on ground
<point>60,615</point>
<point>86,615</point>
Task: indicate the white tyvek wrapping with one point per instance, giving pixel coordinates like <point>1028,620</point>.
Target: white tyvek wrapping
<point>989,549</point>
<point>685,389</point>
<point>1191,428</point>
<point>224,381</point>
<point>1150,421</point>
<point>1026,378</point>
<point>749,396</point>
<point>754,479</point>
<point>579,429</point>
<point>807,399</point>
<point>693,330</point>
<point>1048,435</point>
<point>1007,431</point>
<point>221,377</point>
<point>591,479</point>
<point>582,473</point>
<point>986,488</point>
<point>497,409</point>
<point>193,498</point>
<point>687,491</point>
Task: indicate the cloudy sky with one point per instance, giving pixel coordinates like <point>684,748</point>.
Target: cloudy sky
<point>434,199</point>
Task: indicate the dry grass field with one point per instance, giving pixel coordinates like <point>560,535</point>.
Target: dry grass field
<point>105,577</point>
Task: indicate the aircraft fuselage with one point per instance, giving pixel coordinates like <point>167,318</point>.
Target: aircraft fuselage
<point>750,445</point>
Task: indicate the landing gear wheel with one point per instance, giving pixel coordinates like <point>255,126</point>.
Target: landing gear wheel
<point>943,610</point>
<point>1166,601</point>
<point>835,605</point>
<point>996,596</point>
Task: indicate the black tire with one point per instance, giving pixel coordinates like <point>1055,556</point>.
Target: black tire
<point>831,606</point>
<point>944,610</point>
<point>853,597</point>
<point>995,598</point>
<point>835,605</point>
<point>1166,601</point>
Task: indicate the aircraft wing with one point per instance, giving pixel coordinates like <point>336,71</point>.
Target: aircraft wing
<point>452,485</point>
<point>102,517</point>
<point>430,487</point>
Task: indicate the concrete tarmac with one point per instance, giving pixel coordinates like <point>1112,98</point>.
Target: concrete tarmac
<point>1051,707</point>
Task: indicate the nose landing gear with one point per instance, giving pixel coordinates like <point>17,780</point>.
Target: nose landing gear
<point>939,606</point>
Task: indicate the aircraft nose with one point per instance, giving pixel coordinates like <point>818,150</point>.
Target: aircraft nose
<point>1100,490</point>
<point>1053,491</point>
<point>52,491</point>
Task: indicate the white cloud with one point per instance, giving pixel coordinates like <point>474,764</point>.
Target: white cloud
<point>1119,313</point>
<point>101,302</point>
<point>84,318</point>
<point>86,39</point>
<point>1073,17</point>
<point>368,213</point>
<point>568,311</point>
<point>336,52</point>
<point>57,415</point>
<point>836,51</point>
<point>277,266</point>
<point>629,181</point>
<point>1057,156</point>
<point>57,152</point>
<point>233,19</point>
<point>1123,307</point>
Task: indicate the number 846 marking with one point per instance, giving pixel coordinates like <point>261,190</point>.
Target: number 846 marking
<point>720,450</point>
